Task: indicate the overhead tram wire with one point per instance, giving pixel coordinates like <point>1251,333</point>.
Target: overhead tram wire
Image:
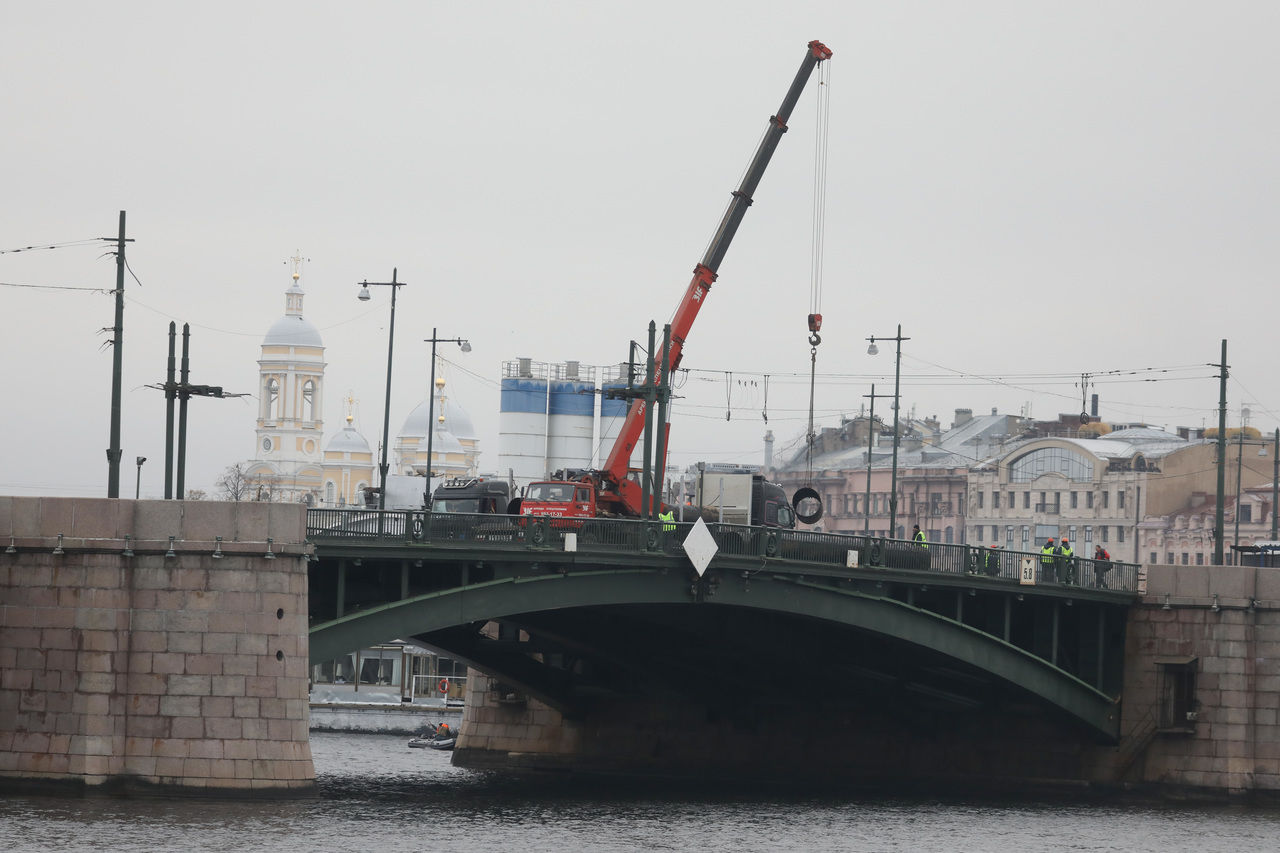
<point>55,287</point>
<point>69,244</point>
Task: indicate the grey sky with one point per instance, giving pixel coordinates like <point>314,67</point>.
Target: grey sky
<point>1031,189</point>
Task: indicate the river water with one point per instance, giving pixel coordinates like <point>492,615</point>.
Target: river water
<point>375,794</point>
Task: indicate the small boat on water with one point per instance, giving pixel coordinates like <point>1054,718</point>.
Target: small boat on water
<point>434,738</point>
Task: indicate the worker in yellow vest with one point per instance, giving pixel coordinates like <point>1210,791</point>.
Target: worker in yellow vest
<point>1048,554</point>
<point>917,536</point>
<point>1066,561</point>
<point>668,520</point>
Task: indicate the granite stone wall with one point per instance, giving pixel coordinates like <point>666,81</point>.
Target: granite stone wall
<point>1222,623</point>
<point>139,650</point>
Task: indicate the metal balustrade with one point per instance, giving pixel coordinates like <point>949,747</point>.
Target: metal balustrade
<point>613,536</point>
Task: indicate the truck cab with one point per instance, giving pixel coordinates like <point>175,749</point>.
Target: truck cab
<point>559,499</point>
<point>475,495</point>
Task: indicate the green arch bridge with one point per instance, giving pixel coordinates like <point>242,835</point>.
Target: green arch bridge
<point>577,611</point>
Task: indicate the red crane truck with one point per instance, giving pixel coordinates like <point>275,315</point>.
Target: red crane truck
<point>609,491</point>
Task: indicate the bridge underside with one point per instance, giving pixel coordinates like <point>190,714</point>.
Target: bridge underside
<point>752,648</point>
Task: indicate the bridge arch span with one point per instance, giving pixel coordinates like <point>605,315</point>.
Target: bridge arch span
<point>851,632</point>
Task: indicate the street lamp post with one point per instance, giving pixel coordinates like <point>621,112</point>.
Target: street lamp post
<point>137,489</point>
<point>431,400</point>
<point>364,296</point>
<point>897,375</point>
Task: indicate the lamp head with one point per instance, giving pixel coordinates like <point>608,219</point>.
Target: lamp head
<point>466,346</point>
<point>141,459</point>
<point>873,349</point>
<point>364,293</point>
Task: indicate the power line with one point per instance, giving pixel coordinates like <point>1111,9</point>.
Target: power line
<point>92,241</point>
<point>53,287</point>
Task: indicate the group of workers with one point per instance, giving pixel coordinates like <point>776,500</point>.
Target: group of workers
<point>1058,563</point>
<point>1057,560</point>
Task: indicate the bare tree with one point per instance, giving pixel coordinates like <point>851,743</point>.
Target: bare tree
<point>234,484</point>
<point>197,494</point>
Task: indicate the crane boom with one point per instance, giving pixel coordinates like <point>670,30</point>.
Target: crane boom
<point>625,495</point>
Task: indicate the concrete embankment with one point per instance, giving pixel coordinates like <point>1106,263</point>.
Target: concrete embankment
<point>333,710</point>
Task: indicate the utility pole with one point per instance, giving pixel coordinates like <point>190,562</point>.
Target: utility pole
<point>871,445</point>
<point>181,391</point>
<point>1218,526</point>
<point>664,414</point>
<point>1275,482</point>
<point>170,394</point>
<point>117,363</point>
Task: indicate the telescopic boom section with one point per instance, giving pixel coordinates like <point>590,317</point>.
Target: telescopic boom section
<point>627,492</point>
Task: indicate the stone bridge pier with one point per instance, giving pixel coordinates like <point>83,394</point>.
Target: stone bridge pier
<point>153,645</point>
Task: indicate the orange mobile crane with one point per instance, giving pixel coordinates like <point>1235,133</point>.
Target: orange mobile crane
<point>609,491</point>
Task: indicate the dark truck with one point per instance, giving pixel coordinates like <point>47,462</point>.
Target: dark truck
<point>474,495</point>
<point>456,502</point>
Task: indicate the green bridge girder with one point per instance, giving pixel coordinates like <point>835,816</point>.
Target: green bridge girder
<point>448,619</point>
<point>882,622</point>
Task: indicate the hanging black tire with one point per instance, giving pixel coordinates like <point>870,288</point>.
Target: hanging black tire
<point>875,554</point>
<point>538,534</point>
<point>802,494</point>
<point>771,543</point>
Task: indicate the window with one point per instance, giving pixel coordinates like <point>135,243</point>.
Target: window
<point>995,500</point>
<point>1153,558</point>
<point>1026,500</point>
<point>1008,534</point>
<point>1120,498</point>
<point>270,394</point>
<point>979,532</point>
<point>1088,534</point>
<point>1026,535</point>
<point>950,535</point>
<point>1073,465</point>
<point>1246,513</point>
<point>1011,504</point>
<point>1184,558</point>
<point>309,401</point>
<point>1106,500</point>
<point>329,492</point>
<point>1177,686</point>
<point>1071,531</point>
<point>1075,500</point>
<point>980,500</point>
<point>1088,500</point>
<point>1199,558</point>
<point>1103,528</point>
<point>995,533</point>
<point>1119,534</point>
<point>1168,558</point>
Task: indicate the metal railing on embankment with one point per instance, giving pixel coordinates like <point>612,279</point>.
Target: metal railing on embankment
<point>837,551</point>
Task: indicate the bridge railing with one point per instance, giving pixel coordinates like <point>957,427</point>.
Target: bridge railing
<point>607,535</point>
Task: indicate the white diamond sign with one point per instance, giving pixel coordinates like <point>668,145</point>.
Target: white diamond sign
<point>700,545</point>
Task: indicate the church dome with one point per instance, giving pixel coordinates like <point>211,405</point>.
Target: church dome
<point>415,426</point>
<point>293,330</point>
<point>456,421</point>
<point>444,442</point>
<point>347,441</point>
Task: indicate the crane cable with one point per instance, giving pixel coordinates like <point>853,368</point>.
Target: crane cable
<point>808,495</point>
